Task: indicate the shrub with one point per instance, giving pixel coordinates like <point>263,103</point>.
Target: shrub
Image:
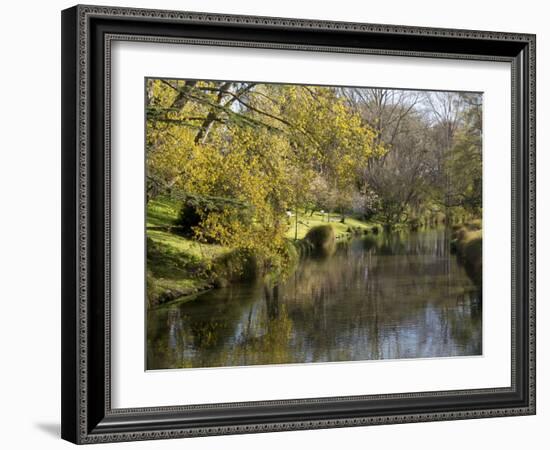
<point>467,243</point>
<point>196,209</point>
<point>322,239</point>
<point>471,255</point>
<point>188,218</point>
<point>238,265</point>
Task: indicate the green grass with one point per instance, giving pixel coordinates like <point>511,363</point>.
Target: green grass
<point>180,287</point>
<point>188,246</point>
<point>161,212</point>
<point>179,267</point>
<point>171,273</point>
<point>164,212</point>
<point>306,222</point>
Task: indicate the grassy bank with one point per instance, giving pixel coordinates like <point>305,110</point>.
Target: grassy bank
<point>307,220</point>
<point>180,268</point>
<point>177,267</point>
<point>172,274</point>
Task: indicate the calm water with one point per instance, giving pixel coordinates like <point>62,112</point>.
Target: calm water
<point>389,296</point>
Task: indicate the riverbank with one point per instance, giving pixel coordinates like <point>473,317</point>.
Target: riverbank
<point>375,297</point>
<point>179,268</point>
<point>308,220</point>
<point>467,243</point>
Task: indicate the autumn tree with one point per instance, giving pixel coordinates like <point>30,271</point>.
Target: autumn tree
<point>259,145</point>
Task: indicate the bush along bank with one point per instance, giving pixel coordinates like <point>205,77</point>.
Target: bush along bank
<point>246,265</point>
<point>467,243</point>
<point>322,240</point>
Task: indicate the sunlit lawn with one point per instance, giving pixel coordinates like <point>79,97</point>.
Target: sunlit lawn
<point>307,221</point>
<point>188,246</point>
<point>164,213</point>
<point>161,212</point>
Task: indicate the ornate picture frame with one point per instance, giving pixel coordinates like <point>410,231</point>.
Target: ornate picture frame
<point>88,33</point>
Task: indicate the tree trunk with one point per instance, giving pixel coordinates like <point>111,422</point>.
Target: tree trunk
<point>296,225</point>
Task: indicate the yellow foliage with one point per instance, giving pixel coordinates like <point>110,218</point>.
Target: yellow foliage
<point>268,155</point>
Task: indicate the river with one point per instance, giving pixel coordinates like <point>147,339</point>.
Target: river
<point>399,295</point>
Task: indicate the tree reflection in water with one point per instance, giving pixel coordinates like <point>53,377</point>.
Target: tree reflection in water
<point>380,297</point>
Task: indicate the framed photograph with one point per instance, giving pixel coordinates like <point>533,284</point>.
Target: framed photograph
<point>279,224</point>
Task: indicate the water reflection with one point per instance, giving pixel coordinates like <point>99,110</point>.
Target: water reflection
<point>389,296</point>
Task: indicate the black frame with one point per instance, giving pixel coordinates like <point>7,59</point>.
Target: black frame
<point>87,32</point>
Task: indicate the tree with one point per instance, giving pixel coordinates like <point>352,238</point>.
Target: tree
<point>464,163</point>
<point>443,112</point>
<point>262,145</point>
<point>396,176</point>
